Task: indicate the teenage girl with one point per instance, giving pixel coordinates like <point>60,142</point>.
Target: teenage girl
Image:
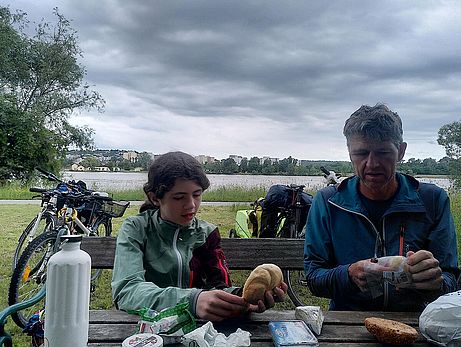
<point>165,255</point>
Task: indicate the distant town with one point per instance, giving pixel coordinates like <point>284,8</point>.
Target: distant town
<point>115,160</point>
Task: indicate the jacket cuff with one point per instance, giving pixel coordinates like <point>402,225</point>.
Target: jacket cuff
<point>193,301</point>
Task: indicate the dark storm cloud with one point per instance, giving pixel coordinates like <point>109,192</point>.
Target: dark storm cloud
<point>299,67</point>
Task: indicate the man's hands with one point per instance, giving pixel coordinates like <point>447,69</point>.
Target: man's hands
<point>425,270</point>
<point>217,305</point>
<point>423,267</point>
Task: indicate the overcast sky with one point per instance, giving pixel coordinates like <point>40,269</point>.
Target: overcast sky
<point>263,78</point>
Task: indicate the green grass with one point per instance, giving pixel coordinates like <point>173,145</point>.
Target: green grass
<point>14,218</point>
<point>15,191</point>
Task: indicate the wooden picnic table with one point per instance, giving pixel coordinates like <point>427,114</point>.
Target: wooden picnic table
<point>341,328</point>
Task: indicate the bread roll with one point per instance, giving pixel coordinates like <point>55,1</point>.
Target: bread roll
<point>262,278</point>
<point>390,331</point>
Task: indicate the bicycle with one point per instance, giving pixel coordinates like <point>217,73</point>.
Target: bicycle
<point>29,274</point>
<point>46,219</point>
<point>284,214</point>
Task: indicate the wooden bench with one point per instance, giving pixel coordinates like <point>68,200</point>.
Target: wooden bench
<point>241,254</point>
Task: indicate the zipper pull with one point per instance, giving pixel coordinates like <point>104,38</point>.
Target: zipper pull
<point>402,234</point>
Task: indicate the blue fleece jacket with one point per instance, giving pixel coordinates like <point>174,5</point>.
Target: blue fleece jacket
<point>339,233</point>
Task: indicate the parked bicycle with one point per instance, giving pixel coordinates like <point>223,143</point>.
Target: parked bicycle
<point>282,213</point>
<point>81,211</point>
<point>46,218</point>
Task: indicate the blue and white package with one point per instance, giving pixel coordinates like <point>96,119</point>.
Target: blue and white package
<point>292,333</point>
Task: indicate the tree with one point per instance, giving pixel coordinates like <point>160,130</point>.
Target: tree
<point>450,138</point>
<point>41,84</point>
<point>144,160</point>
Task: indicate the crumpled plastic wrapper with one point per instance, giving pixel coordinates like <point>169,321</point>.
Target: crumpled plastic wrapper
<point>312,316</point>
<point>392,269</point>
<point>207,336</point>
<point>440,322</point>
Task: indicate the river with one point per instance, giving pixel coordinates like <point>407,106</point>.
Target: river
<point>135,180</point>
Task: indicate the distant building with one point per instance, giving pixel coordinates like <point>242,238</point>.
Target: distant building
<point>237,158</point>
<point>101,168</point>
<point>204,159</point>
<point>131,156</point>
<point>272,160</point>
<point>76,167</point>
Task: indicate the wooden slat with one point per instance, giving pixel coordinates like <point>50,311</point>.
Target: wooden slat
<point>240,253</point>
<point>345,328</point>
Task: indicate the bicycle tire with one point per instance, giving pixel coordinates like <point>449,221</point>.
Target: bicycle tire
<point>30,274</point>
<point>295,279</point>
<point>50,223</point>
<point>106,223</point>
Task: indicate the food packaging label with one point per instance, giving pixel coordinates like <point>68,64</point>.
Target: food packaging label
<point>292,333</point>
<point>143,340</point>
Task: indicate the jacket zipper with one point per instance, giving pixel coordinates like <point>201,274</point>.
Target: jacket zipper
<point>178,257</point>
<point>378,236</point>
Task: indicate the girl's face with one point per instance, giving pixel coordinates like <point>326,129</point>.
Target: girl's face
<point>181,203</point>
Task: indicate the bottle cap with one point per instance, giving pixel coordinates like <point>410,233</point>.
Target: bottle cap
<point>71,238</point>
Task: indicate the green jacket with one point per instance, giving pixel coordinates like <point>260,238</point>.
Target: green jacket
<point>159,264</point>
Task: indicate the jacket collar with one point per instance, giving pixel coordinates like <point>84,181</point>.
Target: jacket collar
<point>167,229</point>
<point>406,199</point>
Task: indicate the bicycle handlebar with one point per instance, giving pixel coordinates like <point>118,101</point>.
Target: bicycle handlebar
<point>48,175</point>
<point>325,171</point>
<point>37,190</point>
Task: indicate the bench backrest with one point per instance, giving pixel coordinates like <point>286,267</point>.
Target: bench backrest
<point>241,254</point>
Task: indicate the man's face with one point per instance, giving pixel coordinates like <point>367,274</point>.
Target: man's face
<point>374,163</point>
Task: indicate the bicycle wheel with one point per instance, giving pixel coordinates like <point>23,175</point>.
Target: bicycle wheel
<point>30,275</point>
<point>102,226</point>
<point>297,287</point>
<point>295,279</point>
<point>47,223</point>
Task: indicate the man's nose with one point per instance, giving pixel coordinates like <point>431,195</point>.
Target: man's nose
<point>372,160</point>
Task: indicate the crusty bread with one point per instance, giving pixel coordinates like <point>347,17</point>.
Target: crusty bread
<point>391,331</point>
<point>263,277</point>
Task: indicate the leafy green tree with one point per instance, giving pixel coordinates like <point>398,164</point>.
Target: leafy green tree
<point>41,84</point>
<point>144,160</point>
<point>229,166</point>
<point>449,136</point>
<point>243,165</point>
<point>254,165</point>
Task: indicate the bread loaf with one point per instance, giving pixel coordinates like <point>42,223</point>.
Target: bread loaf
<point>390,331</point>
<point>262,278</point>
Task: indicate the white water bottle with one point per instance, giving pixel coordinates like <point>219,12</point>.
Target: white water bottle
<point>67,302</point>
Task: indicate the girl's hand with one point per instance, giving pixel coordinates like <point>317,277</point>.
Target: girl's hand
<point>278,294</point>
<point>217,305</point>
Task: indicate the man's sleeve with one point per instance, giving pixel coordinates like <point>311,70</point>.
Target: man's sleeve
<point>324,277</point>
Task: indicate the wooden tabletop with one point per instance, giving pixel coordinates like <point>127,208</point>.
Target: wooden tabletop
<point>340,328</point>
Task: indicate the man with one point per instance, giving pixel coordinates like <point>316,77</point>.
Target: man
<point>379,213</point>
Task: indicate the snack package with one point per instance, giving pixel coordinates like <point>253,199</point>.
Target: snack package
<point>312,316</point>
<point>440,322</point>
<point>392,269</point>
<point>292,333</point>
<point>208,336</point>
<point>175,320</point>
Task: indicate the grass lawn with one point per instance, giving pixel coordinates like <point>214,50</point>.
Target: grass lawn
<point>14,218</point>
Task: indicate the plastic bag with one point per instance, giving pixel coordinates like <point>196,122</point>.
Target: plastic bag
<point>440,322</point>
<point>207,336</point>
<point>392,269</point>
<point>175,320</point>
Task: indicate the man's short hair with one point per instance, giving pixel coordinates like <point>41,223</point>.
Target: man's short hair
<point>375,122</point>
